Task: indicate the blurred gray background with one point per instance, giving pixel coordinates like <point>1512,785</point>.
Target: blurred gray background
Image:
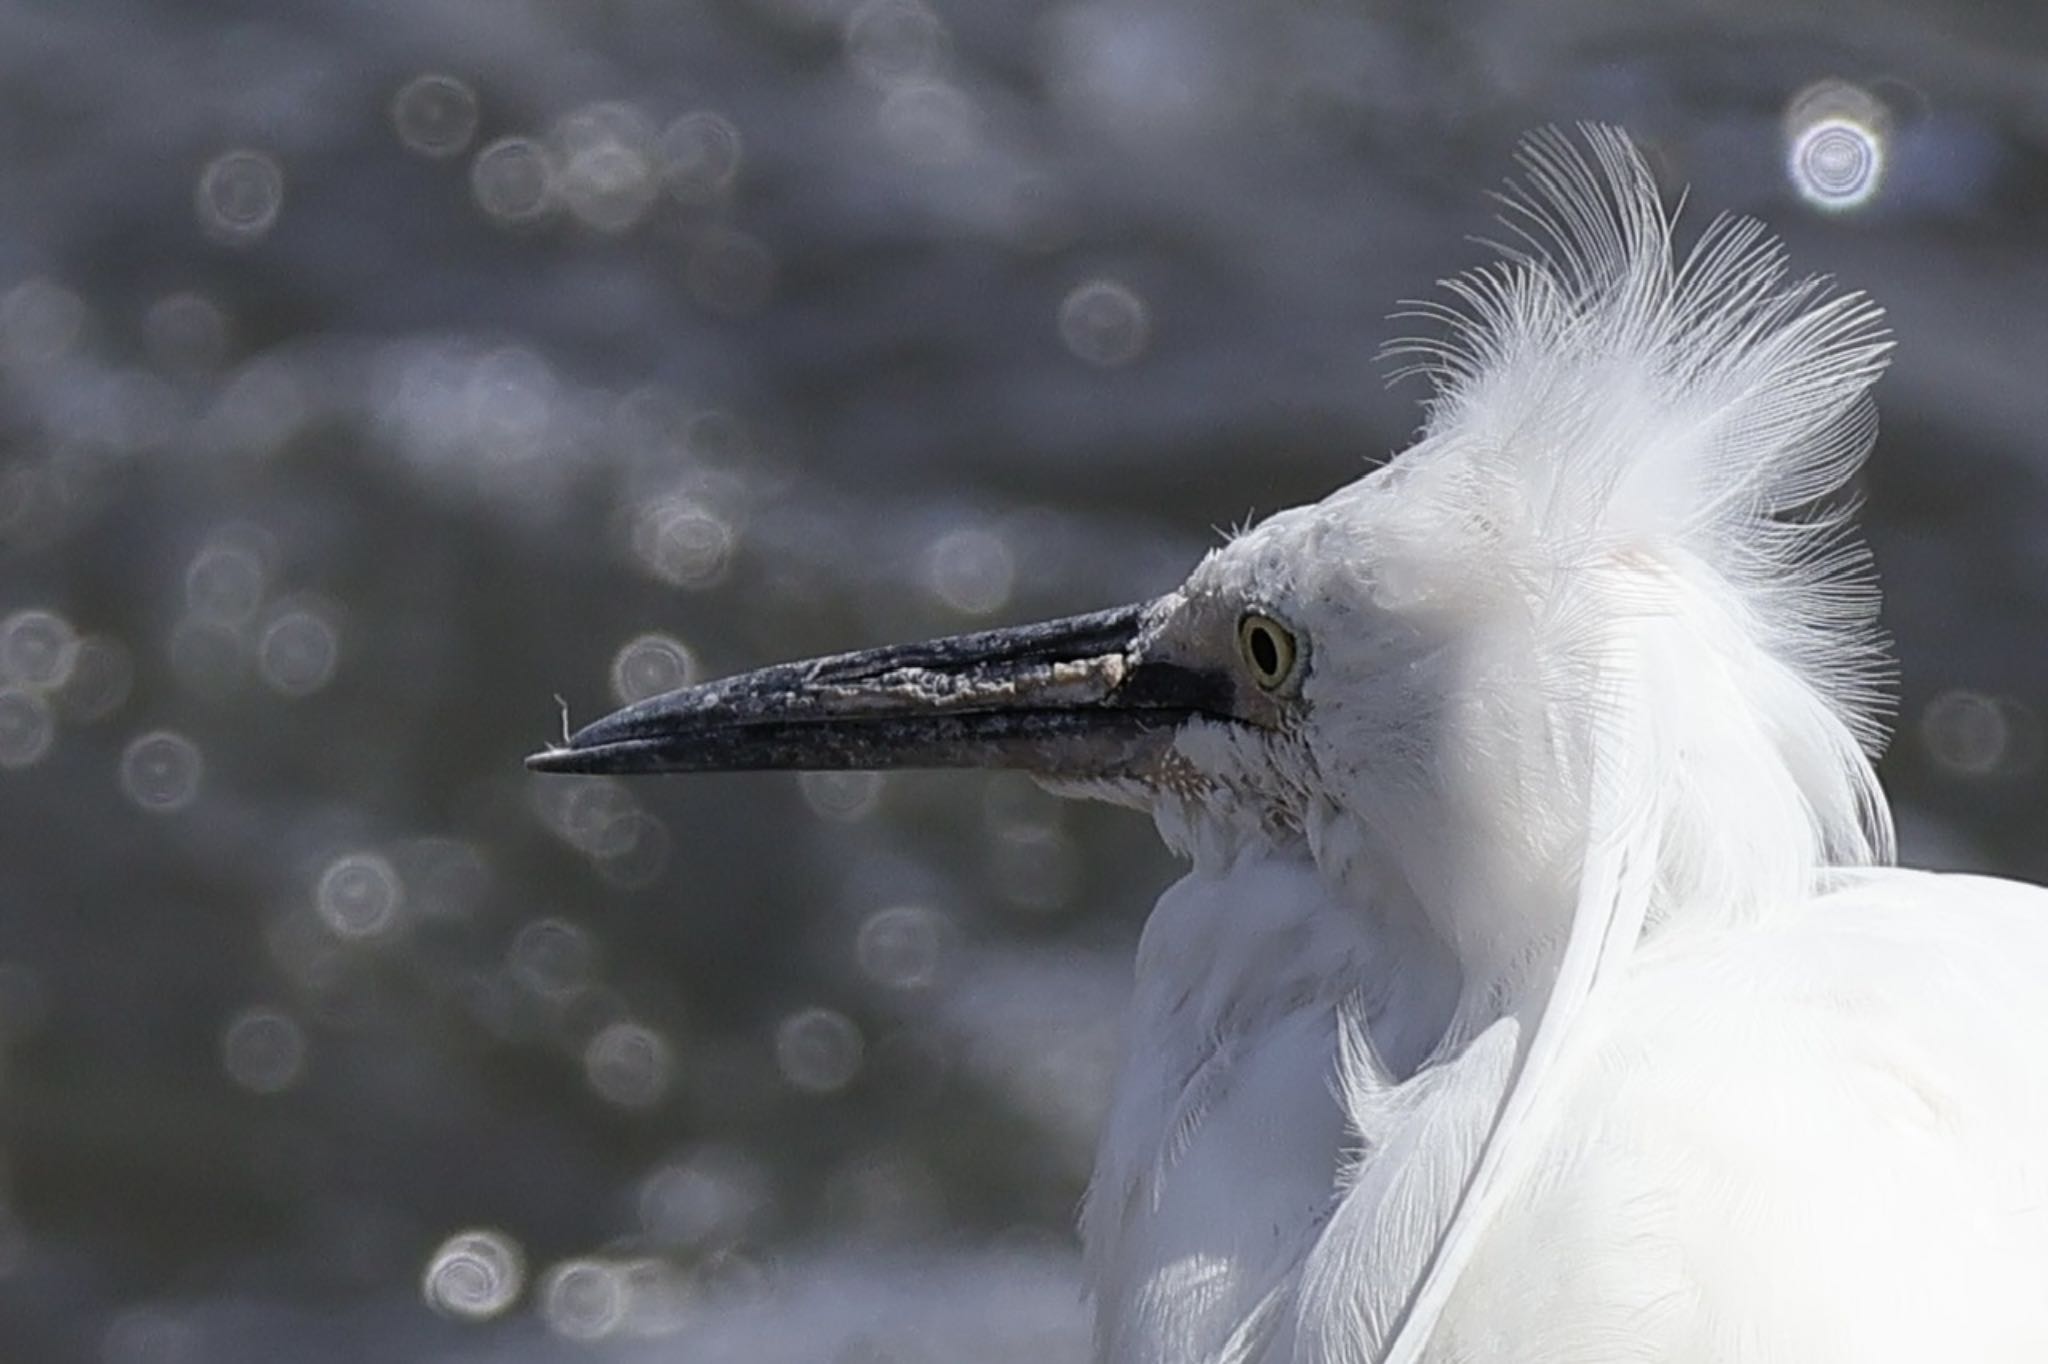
<point>373,370</point>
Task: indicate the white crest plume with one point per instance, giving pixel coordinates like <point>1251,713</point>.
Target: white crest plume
<point>1705,402</point>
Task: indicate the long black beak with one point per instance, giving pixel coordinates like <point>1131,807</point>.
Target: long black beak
<point>1067,698</point>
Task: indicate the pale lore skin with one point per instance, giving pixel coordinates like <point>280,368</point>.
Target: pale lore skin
<point>1540,990</point>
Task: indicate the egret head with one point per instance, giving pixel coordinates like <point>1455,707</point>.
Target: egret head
<point>1591,585</point>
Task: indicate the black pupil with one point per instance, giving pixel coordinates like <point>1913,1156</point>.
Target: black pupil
<point>1265,650</point>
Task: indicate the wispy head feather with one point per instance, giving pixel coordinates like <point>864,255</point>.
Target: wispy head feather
<point>1705,402</point>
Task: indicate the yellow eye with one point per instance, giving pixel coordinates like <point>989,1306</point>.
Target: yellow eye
<point>1267,648</point>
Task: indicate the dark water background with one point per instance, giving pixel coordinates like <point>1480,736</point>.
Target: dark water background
<point>371,370</point>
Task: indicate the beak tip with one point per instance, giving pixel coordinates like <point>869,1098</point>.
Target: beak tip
<point>601,754</point>
<point>553,758</point>
<point>595,748</point>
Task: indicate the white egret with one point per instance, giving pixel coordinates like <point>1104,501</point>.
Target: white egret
<point>1539,990</point>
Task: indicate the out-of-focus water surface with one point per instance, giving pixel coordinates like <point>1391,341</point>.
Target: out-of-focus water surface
<point>372,370</point>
